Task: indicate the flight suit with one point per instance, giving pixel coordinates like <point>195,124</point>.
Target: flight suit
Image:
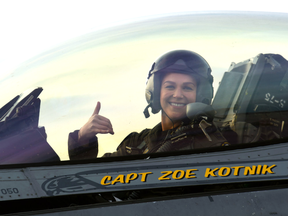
<point>186,137</point>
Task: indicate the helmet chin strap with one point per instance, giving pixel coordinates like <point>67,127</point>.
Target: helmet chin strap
<point>168,118</point>
<point>147,115</point>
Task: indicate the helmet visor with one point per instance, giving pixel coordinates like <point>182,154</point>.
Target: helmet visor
<point>182,61</point>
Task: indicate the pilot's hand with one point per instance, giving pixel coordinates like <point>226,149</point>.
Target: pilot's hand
<point>96,124</point>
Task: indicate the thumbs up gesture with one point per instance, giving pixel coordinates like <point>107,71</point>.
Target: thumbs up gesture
<point>96,124</point>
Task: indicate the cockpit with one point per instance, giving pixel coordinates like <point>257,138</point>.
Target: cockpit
<point>74,126</point>
<point>111,66</point>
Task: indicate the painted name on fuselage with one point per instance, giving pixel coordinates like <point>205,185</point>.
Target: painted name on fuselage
<point>189,174</point>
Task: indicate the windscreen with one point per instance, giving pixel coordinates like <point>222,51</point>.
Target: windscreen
<point>94,89</point>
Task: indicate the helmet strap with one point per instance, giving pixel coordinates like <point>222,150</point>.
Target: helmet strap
<point>169,118</point>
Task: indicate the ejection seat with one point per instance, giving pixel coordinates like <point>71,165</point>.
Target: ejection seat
<point>251,103</point>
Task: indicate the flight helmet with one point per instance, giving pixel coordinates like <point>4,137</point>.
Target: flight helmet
<point>178,61</point>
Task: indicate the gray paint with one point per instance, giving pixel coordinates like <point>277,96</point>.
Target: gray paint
<point>86,178</point>
<point>264,203</point>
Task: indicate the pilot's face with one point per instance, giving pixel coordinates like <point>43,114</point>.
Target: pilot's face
<point>177,90</point>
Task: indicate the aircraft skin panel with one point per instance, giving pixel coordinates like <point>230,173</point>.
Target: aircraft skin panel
<point>265,203</point>
<point>14,184</point>
<point>243,165</point>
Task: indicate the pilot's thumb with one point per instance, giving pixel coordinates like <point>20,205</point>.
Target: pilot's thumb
<point>97,108</point>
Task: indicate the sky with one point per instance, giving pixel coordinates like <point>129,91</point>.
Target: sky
<point>59,45</point>
<point>31,27</point>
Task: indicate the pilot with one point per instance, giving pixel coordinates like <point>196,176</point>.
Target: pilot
<point>176,79</point>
